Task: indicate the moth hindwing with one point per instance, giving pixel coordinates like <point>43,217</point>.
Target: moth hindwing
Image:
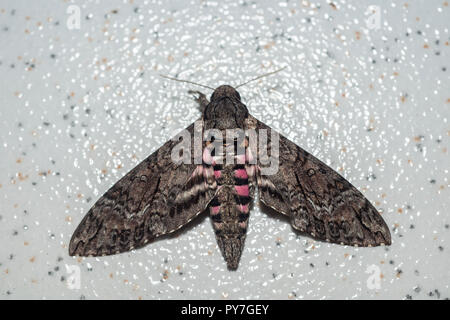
<point>219,173</point>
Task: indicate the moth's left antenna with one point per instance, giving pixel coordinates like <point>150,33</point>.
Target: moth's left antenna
<point>187,81</point>
<point>261,76</point>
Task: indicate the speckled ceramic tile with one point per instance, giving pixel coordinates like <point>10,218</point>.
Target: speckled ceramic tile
<point>366,90</point>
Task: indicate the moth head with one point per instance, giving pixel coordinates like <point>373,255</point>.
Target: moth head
<point>225,91</point>
<point>226,105</point>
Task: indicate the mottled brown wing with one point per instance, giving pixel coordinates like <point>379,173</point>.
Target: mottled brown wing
<point>157,197</point>
<point>317,199</point>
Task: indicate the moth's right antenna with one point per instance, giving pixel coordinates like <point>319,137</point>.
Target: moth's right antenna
<point>261,76</point>
<point>187,81</point>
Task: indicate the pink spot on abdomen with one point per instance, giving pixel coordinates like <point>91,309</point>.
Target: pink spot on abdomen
<point>215,210</point>
<point>207,158</point>
<point>240,159</point>
<point>241,173</point>
<point>217,173</point>
<point>242,190</point>
<point>243,208</point>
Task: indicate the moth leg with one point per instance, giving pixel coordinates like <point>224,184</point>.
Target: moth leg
<point>201,99</point>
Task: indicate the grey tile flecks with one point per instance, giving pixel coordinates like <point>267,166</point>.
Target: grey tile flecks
<point>80,107</point>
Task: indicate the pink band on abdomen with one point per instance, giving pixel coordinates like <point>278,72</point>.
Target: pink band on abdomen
<point>243,208</point>
<point>241,173</point>
<point>242,190</point>
<point>215,210</point>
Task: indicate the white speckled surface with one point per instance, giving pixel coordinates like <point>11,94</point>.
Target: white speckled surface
<point>80,108</point>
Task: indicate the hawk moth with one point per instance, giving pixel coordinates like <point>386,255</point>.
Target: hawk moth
<point>160,196</point>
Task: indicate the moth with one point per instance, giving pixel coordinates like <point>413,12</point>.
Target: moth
<point>162,195</point>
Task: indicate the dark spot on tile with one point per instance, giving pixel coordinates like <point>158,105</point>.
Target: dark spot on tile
<point>408,297</point>
<point>441,248</point>
<point>438,294</point>
<point>53,56</point>
<point>311,265</point>
<point>432,181</point>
